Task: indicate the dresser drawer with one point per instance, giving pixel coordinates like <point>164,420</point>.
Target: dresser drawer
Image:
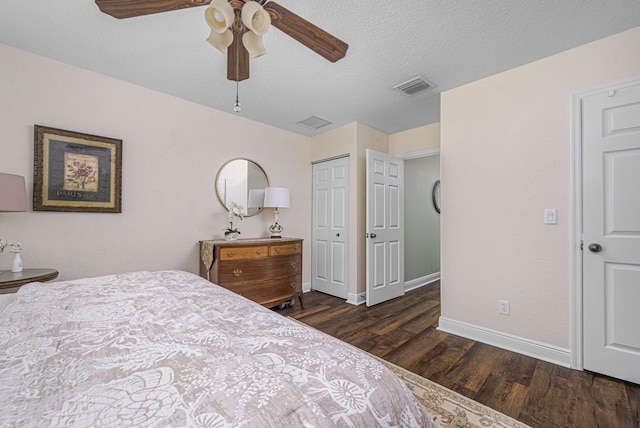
<point>285,249</point>
<point>235,253</point>
<point>270,290</point>
<point>236,271</point>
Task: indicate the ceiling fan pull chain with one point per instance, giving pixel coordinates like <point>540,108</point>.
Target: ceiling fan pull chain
<point>236,106</point>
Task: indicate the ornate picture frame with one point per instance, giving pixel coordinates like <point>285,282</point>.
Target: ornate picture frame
<point>76,172</point>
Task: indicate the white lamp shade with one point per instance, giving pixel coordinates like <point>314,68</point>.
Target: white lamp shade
<point>221,41</point>
<point>276,197</point>
<point>219,15</point>
<point>13,193</point>
<point>255,18</point>
<point>256,198</point>
<point>254,44</point>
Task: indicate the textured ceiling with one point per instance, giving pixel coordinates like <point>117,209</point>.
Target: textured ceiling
<point>450,42</point>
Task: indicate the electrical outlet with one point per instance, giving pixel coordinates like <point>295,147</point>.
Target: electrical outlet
<point>504,307</point>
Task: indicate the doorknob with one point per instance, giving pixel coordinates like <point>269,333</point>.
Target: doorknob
<point>373,235</point>
<point>337,235</point>
<point>595,248</point>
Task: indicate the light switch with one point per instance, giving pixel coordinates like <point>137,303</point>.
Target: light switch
<point>550,216</point>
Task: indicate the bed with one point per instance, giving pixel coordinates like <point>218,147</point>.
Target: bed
<point>171,349</point>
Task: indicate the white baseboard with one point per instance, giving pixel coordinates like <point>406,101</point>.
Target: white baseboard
<point>357,299</point>
<point>531,348</point>
<point>306,287</point>
<point>360,298</point>
<point>419,282</point>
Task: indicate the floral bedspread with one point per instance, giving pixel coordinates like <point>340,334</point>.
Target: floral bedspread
<point>171,349</point>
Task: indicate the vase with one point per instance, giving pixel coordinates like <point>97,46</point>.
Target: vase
<point>233,236</point>
<point>16,266</point>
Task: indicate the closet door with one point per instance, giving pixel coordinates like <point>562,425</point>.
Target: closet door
<point>330,234</point>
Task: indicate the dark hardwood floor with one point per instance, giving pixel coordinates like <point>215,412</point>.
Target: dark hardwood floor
<point>540,394</point>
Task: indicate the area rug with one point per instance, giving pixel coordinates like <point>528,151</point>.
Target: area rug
<point>449,408</point>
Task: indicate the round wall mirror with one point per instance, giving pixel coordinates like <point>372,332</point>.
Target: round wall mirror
<point>242,181</point>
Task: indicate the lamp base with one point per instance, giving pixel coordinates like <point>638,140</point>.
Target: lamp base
<point>276,230</point>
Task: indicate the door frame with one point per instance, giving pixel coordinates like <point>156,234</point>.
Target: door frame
<point>576,236</point>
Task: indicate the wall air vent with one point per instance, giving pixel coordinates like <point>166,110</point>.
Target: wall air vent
<point>314,122</point>
<point>415,85</point>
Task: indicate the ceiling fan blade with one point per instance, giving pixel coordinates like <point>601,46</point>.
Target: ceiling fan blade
<point>130,8</point>
<point>237,59</point>
<point>306,33</point>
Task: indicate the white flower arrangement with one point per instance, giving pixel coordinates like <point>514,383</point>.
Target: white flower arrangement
<point>14,247</point>
<point>233,211</point>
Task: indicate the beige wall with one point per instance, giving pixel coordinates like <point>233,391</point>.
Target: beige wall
<point>415,140</point>
<point>505,157</point>
<point>172,150</point>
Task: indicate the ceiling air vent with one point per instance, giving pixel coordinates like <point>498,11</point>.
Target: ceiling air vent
<point>413,86</point>
<point>314,122</point>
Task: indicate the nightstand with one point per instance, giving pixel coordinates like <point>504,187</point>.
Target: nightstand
<point>10,282</point>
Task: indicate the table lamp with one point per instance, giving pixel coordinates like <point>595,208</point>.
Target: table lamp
<point>276,197</point>
<point>13,193</point>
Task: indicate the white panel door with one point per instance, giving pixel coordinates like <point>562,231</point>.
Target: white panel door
<point>330,234</point>
<point>611,223</point>
<point>385,227</point>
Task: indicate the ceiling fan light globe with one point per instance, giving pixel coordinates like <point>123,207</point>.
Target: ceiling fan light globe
<point>219,15</point>
<point>220,41</point>
<point>255,18</point>
<point>254,44</point>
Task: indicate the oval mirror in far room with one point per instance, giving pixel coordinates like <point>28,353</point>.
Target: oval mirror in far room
<point>242,181</point>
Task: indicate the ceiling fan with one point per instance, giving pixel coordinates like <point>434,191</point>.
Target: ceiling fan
<point>230,27</point>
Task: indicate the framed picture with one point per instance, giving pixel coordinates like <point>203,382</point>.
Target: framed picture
<point>76,172</point>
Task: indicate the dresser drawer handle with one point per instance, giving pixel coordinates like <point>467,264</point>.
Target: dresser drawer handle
<point>237,272</point>
<point>293,285</point>
<point>293,265</point>
<point>231,254</point>
<point>259,252</point>
<point>278,250</point>
<point>297,248</point>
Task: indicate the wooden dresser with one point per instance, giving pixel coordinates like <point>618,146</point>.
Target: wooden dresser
<point>267,271</point>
